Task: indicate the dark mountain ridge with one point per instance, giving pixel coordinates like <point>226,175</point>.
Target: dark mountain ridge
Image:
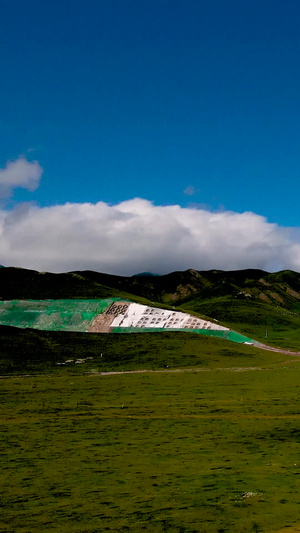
<point>250,301</point>
<point>177,288</point>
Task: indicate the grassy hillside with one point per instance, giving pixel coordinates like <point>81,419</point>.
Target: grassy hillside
<point>31,351</point>
<point>23,284</point>
<point>281,289</point>
<point>265,322</point>
<point>249,301</point>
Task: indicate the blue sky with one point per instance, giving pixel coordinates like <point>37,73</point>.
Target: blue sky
<point>188,103</point>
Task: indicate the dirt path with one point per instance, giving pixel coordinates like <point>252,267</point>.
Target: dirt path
<point>273,349</point>
<point>158,371</point>
<point>172,370</point>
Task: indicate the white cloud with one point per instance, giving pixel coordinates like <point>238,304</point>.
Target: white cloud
<point>19,173</point>
<point>190,190</point>
<point>136,236</point>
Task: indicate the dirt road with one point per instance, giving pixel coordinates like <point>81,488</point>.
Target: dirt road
<point>279,350</point>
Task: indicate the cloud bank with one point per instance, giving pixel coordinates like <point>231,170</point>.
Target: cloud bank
<point>135,236</point>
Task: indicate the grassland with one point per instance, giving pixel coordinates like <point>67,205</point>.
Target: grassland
<point>212,449</point>
<point>206,439</point>
<point>33,352</point>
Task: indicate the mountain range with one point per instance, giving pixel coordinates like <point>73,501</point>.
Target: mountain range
<point>251,301</point>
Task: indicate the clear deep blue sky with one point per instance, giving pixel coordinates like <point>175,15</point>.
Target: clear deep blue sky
<point>143,98</point>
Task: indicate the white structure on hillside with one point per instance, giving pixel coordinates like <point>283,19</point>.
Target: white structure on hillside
<point>141,316</point>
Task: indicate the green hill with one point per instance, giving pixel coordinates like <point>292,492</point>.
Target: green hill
<point>254,302</point>
<point>27,351</point>
<point>23,284</point>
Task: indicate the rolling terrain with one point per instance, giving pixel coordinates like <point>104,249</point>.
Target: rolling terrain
<point>258,304</point>
<point>157,432</point>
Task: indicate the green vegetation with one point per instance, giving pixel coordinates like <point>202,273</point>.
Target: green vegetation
<point>23,284</point>
<point>205,439</point>
<point>32,351</point>
<point>199,451</point>
<point>252,318</point>
<point>247,301</point>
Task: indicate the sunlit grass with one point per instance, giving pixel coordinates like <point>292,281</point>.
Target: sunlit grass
<point>203,451</point>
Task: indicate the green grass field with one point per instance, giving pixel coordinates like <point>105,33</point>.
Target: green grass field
<point>33,352</point>
<point>214,449</point>
<point>205,440</point>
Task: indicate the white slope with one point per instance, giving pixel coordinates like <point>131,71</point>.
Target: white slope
<point>142,316</point>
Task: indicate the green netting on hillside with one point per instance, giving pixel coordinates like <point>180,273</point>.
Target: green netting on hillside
<point>223,334</point>
<point>55,315</point>
<point>78,315</point>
